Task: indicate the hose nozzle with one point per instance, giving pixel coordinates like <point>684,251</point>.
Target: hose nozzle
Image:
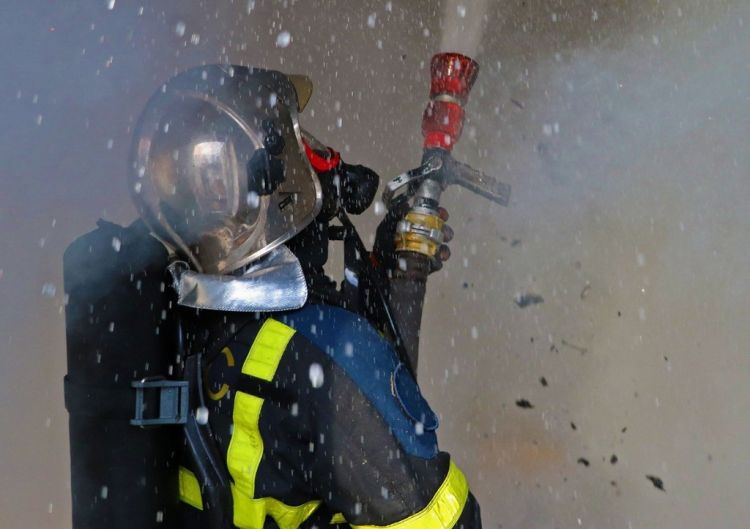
<point>453,76</point>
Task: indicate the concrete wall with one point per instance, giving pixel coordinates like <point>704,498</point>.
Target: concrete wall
<point>622,127</point>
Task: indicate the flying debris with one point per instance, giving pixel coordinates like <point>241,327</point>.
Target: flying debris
<point>527,299</point>
<point>525,404</point>
<point>657,482</point>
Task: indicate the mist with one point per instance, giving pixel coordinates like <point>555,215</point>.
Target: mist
<point>622,129</point>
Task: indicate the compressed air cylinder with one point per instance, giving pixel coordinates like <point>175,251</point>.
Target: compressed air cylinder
<point>119,329</point>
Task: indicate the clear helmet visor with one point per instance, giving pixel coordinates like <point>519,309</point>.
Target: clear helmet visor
<point>219,169</point>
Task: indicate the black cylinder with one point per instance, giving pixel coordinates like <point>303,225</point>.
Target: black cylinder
<point>119,329</point>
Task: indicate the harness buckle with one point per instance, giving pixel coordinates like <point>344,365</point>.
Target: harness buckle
<point>168,397</point>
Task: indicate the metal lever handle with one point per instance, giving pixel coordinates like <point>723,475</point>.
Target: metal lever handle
<point>413,176</point>
<point>447,171</point>
<point>478,182</point>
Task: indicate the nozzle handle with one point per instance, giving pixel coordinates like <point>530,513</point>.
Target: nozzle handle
<point>479,182</point>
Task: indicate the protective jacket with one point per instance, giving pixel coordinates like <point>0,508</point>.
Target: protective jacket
<point>320,424</point>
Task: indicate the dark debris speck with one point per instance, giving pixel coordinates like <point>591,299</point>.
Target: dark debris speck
<point>613,459</point>
<point>526,300</point>
<point>523,403</point>
<point>657,482</point>
<point>543,382</point>
<point>573,425</point>
<point>583,461</point>
<point>575,347</point>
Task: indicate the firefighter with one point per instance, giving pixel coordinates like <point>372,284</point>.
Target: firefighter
<point>317,419</point>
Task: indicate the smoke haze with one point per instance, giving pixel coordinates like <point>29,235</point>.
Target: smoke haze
<point>622,127</point>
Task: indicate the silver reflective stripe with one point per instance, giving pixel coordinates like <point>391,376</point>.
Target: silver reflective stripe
<point>273,283</point>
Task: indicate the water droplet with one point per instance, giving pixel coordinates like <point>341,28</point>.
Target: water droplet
<point>49,290</point>
<point>201,415</point>
<point>195,39</point>
<point>283,39</point>
<point>110,4</point>
<point>371,20</point>
<point>180,28</point>
<point>253,200</point>
<point>116,244</point>
<point>317,377</point>
<point>461,10</point>
<point>104,492</point>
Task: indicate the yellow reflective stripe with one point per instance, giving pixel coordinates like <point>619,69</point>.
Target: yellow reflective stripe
<point>337,518</point>
<point>190,490</point>
<point>246,446</point>
<point>444,509</point>
<point>267,349</point>
<point>251,513</point>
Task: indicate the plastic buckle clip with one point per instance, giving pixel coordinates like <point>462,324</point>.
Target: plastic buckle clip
<point>172,399</point>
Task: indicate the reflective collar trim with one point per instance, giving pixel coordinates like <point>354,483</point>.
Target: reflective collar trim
<point>273,283</point>
<point>444,509</point>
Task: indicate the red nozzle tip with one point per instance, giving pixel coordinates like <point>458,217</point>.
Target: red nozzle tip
<point>453,74</point>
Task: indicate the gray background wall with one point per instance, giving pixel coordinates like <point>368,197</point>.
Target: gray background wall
<point>622,127</point>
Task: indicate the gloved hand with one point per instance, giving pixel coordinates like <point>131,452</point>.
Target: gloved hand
<point>384,247</point>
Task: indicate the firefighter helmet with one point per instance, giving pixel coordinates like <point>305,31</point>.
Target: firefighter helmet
<point>219,170</point>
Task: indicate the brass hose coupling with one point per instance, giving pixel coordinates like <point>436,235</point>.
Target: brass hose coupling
<point>421,231</point>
